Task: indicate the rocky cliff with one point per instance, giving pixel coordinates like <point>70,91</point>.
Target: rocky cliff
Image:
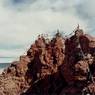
<point>60,66</point>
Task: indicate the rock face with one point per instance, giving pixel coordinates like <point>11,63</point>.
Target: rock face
<point>53,67</point>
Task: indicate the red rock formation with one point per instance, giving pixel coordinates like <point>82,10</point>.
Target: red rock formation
<point>56,66</point>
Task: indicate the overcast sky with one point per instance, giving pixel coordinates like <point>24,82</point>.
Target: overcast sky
<point>22,20</point>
